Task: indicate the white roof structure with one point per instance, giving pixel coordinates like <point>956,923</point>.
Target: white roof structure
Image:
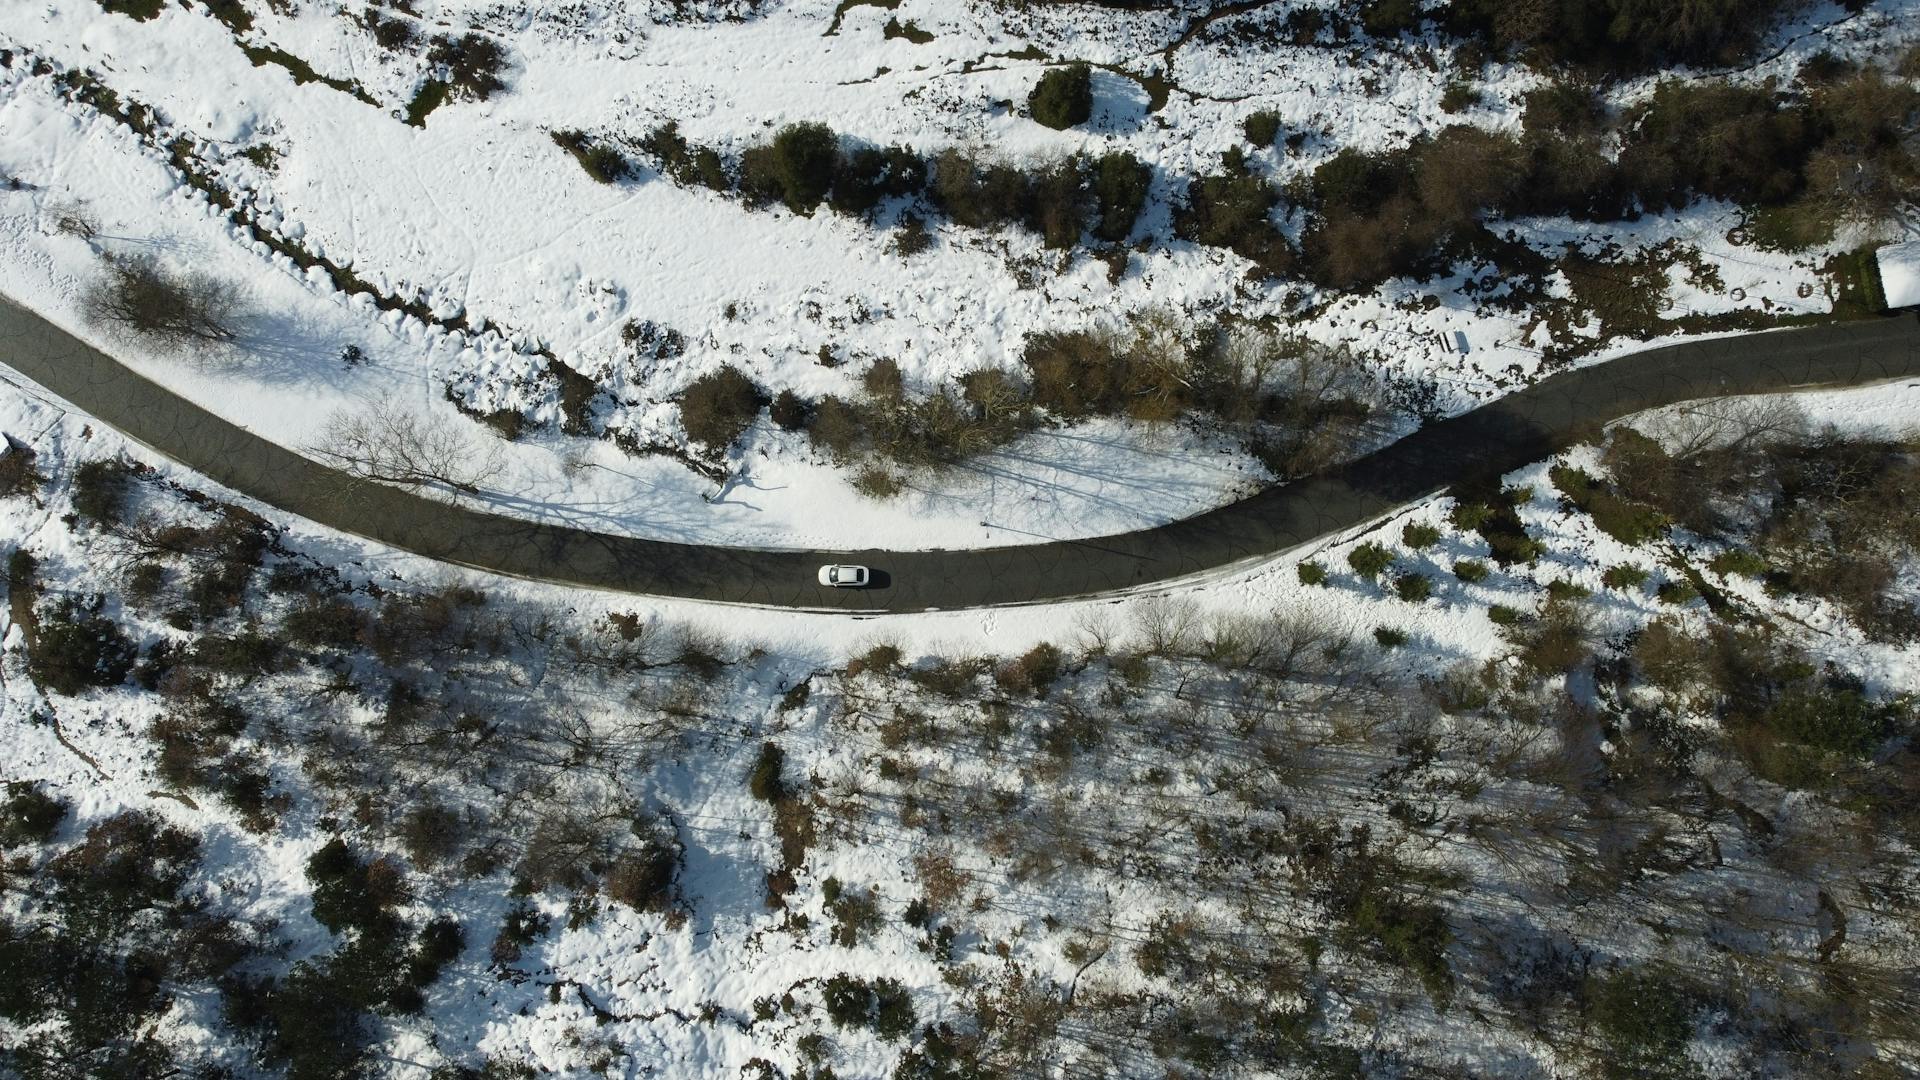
<point>1900,273</point>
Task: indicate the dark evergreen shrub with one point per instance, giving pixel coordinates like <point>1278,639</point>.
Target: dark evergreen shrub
<point>1063,97</point>
<point>1120,182</point>
<point>29,815</point>
<point>76,648</point>
<point>1263,128</point>
<point>867,175</point>
<point>100,489</point>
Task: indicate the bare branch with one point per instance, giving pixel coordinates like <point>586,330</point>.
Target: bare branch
<point>394,446</point>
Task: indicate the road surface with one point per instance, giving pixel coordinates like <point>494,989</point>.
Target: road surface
<point>1517,429</point>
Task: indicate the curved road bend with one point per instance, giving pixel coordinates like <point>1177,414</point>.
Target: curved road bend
<point>1495,438</point>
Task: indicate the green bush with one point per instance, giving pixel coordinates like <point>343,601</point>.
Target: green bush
<point>601,161</point>
<point>865,176</point>
<point>1311,573</point>
<point>1618,36</point>
<point>472,63</point>
<point>1470,571</point>
<point>352,894</point>
<point>1413,588</point>
<point>685,163</point>
<point>1233,209</point>
<point>76,648</point>
<point>1502,615</point>
<point>17,473</point>
<point>1677,591</point>
<point>797,167</point>
<point>976,194</point>
<point>1759,146</point>
<point>127,864</point>
<point>1629,522</point>
<point>1263,128</point>
<point>1562,589</point>
<point>1565,107</point>
<point>1624,576</point>
<point>1742,562</point>
<point>1468,517</point>
<point>1837,719</point>
<point>29,815</point>
<point>1419,536</point>
<point>1389,638</point>
<point>1369,560</point>
<point>718,406</point>
<point>1063,97</point>
<point>883,1005</point>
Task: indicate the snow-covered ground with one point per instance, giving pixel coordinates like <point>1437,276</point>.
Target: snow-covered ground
<point>1900,273</point>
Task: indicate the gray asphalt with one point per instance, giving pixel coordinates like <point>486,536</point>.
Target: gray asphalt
<point>1522,427</point>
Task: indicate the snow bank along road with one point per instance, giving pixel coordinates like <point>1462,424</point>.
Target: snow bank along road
<point>1495,438</point>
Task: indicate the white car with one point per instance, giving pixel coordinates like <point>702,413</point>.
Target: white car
<point>843,577</point>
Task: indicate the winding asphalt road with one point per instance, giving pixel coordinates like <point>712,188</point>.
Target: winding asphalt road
<point>1522,427</point>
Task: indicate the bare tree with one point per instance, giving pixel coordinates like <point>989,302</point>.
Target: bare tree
<point>1728,425</point>
<point>140,295</point>
<point>391,445</point>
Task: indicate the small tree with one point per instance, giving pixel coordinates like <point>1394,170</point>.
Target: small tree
<point>388,444</point>
<point>1063,97</point>
<point>139,295</point>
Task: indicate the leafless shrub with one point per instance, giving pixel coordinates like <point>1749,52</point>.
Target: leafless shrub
<point>1727,425</point>
<point>73,219</point>
<point>140,296</point>
<point>1166,627</point>
<point>388,444</point>
<point>569,846</point>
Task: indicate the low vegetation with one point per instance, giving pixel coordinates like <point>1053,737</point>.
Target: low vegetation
<point>1298,406</point>
<point>140,295</point>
